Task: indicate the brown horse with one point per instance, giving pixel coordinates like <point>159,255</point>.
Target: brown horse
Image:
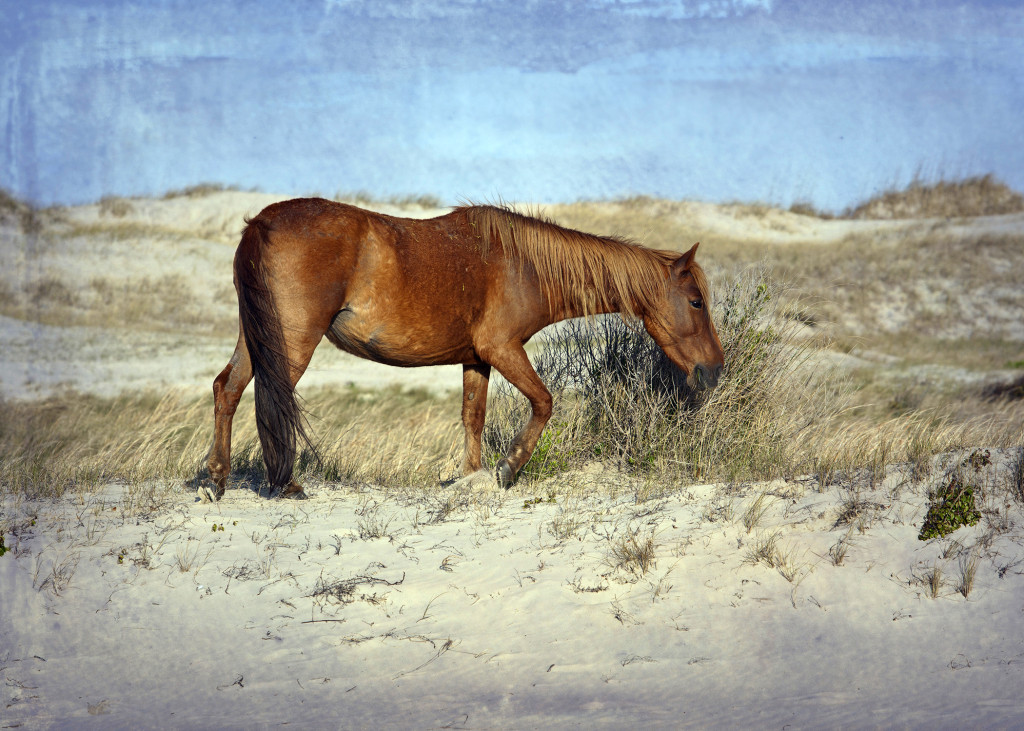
<point>468,288</point>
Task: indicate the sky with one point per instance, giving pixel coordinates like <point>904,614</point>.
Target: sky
<point>777,101</point>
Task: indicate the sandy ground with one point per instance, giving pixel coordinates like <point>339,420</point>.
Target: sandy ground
<point>141,607</point>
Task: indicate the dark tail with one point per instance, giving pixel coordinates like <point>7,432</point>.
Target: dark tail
<point>279,418</point>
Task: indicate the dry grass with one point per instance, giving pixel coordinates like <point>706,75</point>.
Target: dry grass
<point>199,190</point>
<point>77,442</point>
<point>779,411</point>
<point>24,215</point>
<point>363,198</point>
<point>634,552</point>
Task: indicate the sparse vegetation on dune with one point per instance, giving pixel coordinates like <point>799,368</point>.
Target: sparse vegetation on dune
<point>199,190</point>
<point>861,285</point>
<point>982,195</point>
<point>887,300</point>
<point>363,198</point>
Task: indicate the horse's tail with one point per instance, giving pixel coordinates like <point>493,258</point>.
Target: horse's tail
<point>279,418</point>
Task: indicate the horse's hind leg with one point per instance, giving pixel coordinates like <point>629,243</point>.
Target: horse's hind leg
<point>227,390</point>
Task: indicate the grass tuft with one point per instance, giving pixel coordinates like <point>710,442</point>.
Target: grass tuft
<point>634,553</point>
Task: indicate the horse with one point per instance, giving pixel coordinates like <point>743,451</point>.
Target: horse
<point>467,288</point>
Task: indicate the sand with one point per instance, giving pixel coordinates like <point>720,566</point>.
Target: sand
<point>140,607</point>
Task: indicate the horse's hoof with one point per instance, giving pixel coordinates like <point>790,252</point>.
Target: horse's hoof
<point>291,493</point>
<point>503,474</point>
<point>209,492</point>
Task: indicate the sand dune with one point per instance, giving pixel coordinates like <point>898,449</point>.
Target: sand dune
<point>138,607</point>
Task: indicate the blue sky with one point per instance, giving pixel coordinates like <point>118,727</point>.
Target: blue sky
<point>527,101</point>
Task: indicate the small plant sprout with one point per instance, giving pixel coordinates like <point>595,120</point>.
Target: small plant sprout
<point>337,543</point>
<point>755,511</point>
<point>765,549</point>
<point>968,570</point>
<point>933,580</point>
<point>838,550</point>
<point>58,577</point>
<point>786,564</point>
<point>565,526</point>
<point>371,525</point>
<point>634,553</point>
<point>187,556</point>
<point>951,549</point>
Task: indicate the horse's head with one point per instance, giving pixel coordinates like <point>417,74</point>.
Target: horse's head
<point>682,325</point>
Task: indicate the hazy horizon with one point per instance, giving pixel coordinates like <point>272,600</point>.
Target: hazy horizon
<point>555,101</point>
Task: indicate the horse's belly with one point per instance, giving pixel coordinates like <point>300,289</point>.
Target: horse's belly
<point>415,345</point>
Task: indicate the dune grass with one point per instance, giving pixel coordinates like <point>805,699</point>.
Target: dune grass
<point>76,442</point>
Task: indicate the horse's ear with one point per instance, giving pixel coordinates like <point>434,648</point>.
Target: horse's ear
<point>680,265</point>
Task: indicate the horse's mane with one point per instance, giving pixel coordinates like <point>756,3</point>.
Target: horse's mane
<point>589,273</point>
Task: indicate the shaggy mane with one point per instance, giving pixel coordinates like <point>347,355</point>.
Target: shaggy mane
<point>589,273</point>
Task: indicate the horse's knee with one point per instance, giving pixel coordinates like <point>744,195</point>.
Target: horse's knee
<point>543,407</point>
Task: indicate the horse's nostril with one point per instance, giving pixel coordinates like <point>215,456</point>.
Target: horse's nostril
<point>718,372</point>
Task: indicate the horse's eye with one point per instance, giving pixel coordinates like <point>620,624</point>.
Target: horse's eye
<point>696,304</point>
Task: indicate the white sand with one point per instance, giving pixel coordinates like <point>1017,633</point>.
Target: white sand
<point>485,619</point>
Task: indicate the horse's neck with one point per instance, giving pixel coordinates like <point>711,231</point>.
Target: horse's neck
<point>563,308</point>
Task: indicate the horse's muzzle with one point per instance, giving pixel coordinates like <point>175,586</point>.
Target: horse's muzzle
<point>704,377</point>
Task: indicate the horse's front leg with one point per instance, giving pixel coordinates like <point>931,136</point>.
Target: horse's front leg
<point>227,390</point>
<point>512,363</point>
<point>475,379</point>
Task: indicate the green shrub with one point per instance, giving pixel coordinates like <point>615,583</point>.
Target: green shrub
<point>952,507</point>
